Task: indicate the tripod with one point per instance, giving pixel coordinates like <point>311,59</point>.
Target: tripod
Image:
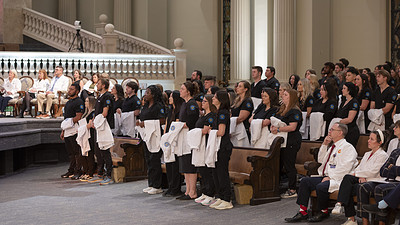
<point>78,39</point>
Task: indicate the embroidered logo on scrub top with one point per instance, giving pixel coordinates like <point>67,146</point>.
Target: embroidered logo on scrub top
<point>276,84</point>
<point>201,97</point>
<point>332,106</point>
<point>394,97</point>
<point>355,105</point>
<point>222,116</point>
<point>172,128</point>
<point>319,95</point>
<point>138,102</point>
<point>166,144</point>
<point>210,120</point>
<point>162,111</point>
<point>248,105</point>
<point>81,106</point>
<point>297,117</point>
<point>108,102</point>
<point>367,94</point>
<point>192,107</point>
<point>311,101</point>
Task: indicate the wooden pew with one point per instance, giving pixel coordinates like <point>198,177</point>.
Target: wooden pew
<point>258,168</point>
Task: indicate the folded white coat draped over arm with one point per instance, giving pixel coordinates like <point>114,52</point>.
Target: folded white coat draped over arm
<point>212,148</point>
<point>317,126</point>
<point>238,134</point>
<point>333,121</point>
<point>168,155</point>
<point>69,127</point>
<point>197,144</point>
<point>377,119</point>
<point>361,122</point>
<point>271,137</point>
<point>127,124</point>
<point>259,134</point>
<point>370,166</point>
<point>117,124</point>
<point>105,138</point>
<point>171,142</point>
<point>152,135</point>
<point>305,126</point>
<point>83,137</point>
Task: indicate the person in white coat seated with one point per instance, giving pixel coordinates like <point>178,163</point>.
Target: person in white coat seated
<point>395,142</point>
<point>337,158</point>
<point>367,170</point>
<point>10,90</point>
<point>90,87</point>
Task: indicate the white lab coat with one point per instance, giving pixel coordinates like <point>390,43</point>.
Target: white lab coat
<point>370,169</point>
<point>127,124</point>
<point>361,122</point>
<point>151,135</point>
<point>69,127</point>
<point>117,125</point>
<point>197,144</point>
<point>14,86</point>
<point>317,126</point>
<point>87,85</point>
<point>259,134</point>
<point>61,84</point>
<point>212,148</point>
<point>377,119</point>
<point>342,161</point>
<point>392,145</point>
<point>105,138</point>
<point>83,137</point>
<point>305,126</point>
<point>165,145</point>
<point>175,141</point>
<point>238,134</point>
<point>271,137</point>
<point>41,85</point>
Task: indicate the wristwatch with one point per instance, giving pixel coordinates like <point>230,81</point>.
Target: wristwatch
<point>278,130</point>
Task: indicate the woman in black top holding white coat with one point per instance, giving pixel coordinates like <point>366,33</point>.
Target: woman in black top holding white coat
<point>243,105</point>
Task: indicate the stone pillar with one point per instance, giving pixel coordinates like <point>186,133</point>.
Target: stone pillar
<point>67,11</point>
<point>99,27</point>
<point>240,41</point>
<point>110,39</point>
<point>284,39</point>
<point>180,66</point>
<point>123,15</point>
<point>13,20</point>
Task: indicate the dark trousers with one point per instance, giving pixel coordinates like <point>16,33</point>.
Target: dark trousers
<point>103,159</point>
<point>348,189</point>
<point>288,161</point>
<point>26,102</point>
<point>221,174</point>
<point>88,163</point>
<point>174,177</point>
<point>382,190</point>
<point>74,154</point>
<point>154,171</point>
<point>393,198</point>
<point>309,184</point>
<point>365,191</point>
<point>207,182</point>
<point>4,102</point>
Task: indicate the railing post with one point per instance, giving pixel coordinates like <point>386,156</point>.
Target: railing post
<point>99,27</point>
<point>110,39</point>
<point>180,63</point>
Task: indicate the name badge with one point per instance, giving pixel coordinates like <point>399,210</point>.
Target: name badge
<point>332,166</point>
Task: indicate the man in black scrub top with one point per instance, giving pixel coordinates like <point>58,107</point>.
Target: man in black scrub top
<point>103,106</point>
<point>73,109</point>
<point>131,102</point>
<point>258,84</point>
<point>384,97</point>
<point>271,81</point>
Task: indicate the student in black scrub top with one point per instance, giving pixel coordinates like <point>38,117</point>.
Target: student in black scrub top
<point>221,172</point>
<point>243,105</point>
<point>348,111</point>
<point>88,161</point>
<point>199,95</point>
<point>384,97</point>
<point>306,99</point>
<point>104,106</point>
<point>73,109</point>
<point>153,109</point>
<point>173,175</point>
<point>291,115</point>
<point>131,102</point>
<point>327,104</point>
<point>118,92</point>
<point>206,122</point>
<point>268,107</point>
<point>364,95</point>
<point>189,114</point>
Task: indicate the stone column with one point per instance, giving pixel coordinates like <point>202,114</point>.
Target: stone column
<point>110,39</point>
<point>240,41</point>
<point>123,15</point>
<point>180,66</point>
<point>67,11</point>
<point>284,39</point>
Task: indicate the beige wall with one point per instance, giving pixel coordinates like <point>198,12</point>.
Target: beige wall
<point>47,7</point>
<point>13,20</point>
<point>88,12</point>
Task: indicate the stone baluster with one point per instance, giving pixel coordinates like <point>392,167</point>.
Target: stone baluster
<point>51,68</point>
<point>69,68</point>
<point>159,68</point>
<point>95,64</point>
<point>124,68</point>
<point>25,67</point>
<point>88,67</point>
<point>171,69</point>
<point>106,66</point>
<point>101,68</point>
<point>142,69</point>
<point>136,67</point>
<point>32,68</point>
<point>82,67</point>
<point>130,69</point>
<point>112,67</point>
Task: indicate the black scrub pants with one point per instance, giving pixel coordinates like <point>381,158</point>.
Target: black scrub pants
<point>103,159</point>
<point>174,177</point>
<point>154,171</point>
<point>74,154</point>
<point>207,182</point>
<point>221,173</point>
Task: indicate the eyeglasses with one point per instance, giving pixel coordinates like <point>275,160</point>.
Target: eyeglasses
<point>334,129</point>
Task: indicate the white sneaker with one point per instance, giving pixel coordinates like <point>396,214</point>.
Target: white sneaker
<point>147,189</point>
<point>338,209</point>
<point>154,191</point>
<point>216,203</point>
<point>201,198</point>
<point>350,222</point>
<point>208,200</point>
<point>224,205</point>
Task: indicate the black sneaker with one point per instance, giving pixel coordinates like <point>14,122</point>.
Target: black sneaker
<point>67,175</point>
<point>75,177</point>
<point>297,218</point>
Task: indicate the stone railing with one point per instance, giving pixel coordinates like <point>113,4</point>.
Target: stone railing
<point>58,34</point>
<point>130,44</point>
<point>119,66</point>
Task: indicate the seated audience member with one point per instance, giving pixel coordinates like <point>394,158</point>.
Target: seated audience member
<point>58,83</point>
<point>91,86</point>
<point>348,112</point>
<point>243,105</point>
<point>258,84</point>
<point>395,142</point>
<point>363,96</point>
<point>118,92</point>
<point>78,76</point>
<point>327,105</point>
<point>306,99</point>
<point>270,80</point>
<point>391,171</point>
<point>209,81</point>
<point>267,108</point>
<point>367,170</point>
<point>40,85</point>
<point>10,90</point>
<point>88,164</point>
<point>384,97</point>
<point>290,114</point>
<point>338,158</point>
<point>293,80</point>
<point>391,199</point>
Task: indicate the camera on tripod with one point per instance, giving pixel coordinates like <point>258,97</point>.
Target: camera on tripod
<point>77,38</point>
<point>77,25</point>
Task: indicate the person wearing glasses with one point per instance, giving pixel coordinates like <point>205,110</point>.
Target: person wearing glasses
<point>338,158</point>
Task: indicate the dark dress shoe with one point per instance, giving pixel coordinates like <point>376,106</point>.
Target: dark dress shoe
<point>67,175</point>
<point>75,177</point>
<point>319,217</point>
<point>375,210</point>
<point>185,197</point>
<point>297,218</point>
